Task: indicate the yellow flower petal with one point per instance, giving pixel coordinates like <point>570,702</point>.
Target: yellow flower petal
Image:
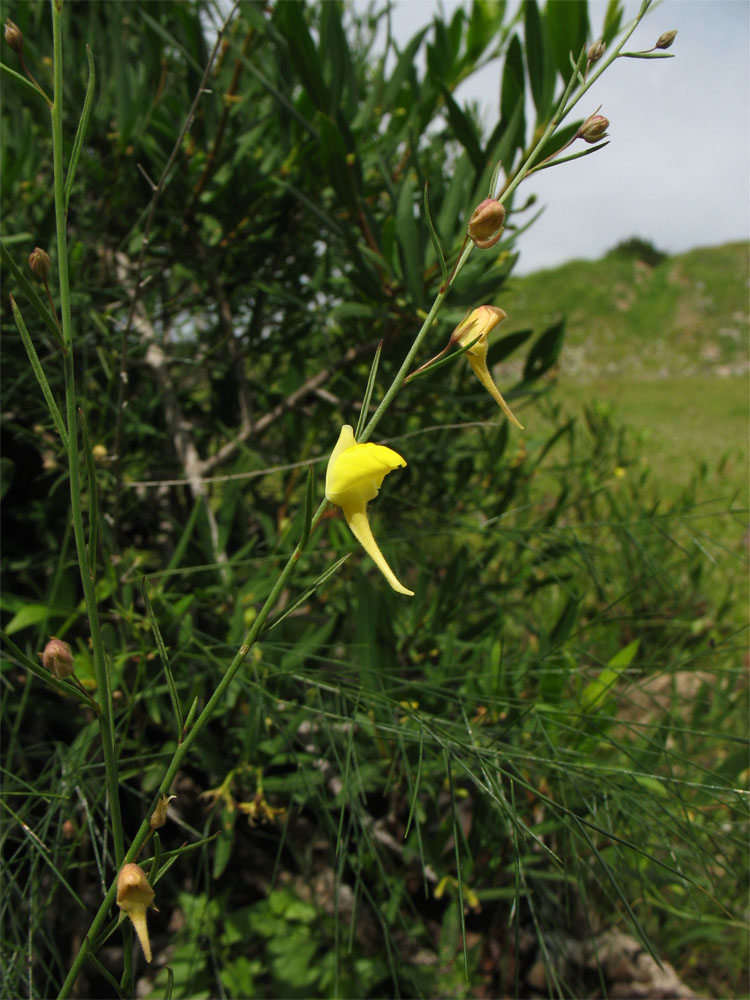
<point>478,324</point>
<point>354,475</point>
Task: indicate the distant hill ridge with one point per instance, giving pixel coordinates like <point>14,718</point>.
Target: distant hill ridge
<point>642,313</point>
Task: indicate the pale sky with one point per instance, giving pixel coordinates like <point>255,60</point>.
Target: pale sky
<point>677,169</point>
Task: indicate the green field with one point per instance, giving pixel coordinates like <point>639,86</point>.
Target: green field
<point>666,346</point>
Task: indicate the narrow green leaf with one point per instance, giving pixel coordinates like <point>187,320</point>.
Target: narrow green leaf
<point>512,97</point>
<point>492,190</point>
<point>105,973</point>
<point>505,346</point>
<point>565,622</point>
<point>190,716</point>
<point>32,295</point>
<point>539,60</point>
<point>647,55</point>
<point>464,130</point>
<point>457,851</point>
<point>503,142</point>
<point>544,352</point>
<point>172,42</point>
<point>81,131</point>
<point>290,20</point>
<point>34,667</point>
<point>19,78</point>
<point>335,53</point>
<point>308,511</point>
<point>39,846</point>
<point>407,233</point>
<point>368,391</point>
<point>612,20</point>
<point>404,66</point>
<point>434,237</point>
<point>164,660</point>
<point>187,533</point>
<point>40,375</point>
<point>93,541</point>
<point>307,594</point>
<point>573,156</point>
<point>567,22</point>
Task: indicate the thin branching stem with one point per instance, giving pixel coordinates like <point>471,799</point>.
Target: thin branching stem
<point>104,693</point>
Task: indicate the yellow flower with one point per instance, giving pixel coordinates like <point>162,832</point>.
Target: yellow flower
<point>134,897</point>
<point>355,474</point>
<point>479,323</point>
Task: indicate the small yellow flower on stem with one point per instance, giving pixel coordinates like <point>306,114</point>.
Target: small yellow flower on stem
<point>479,323</point>
<point>355,474</point>
<point>134,897</point>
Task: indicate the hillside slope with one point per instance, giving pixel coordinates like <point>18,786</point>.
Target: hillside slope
<point>665,345</point>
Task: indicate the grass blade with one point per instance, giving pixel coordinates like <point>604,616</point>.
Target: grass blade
<point>81,131</point>
<point>164,661</point>
<point>39,372</point>
<point>368,391</point>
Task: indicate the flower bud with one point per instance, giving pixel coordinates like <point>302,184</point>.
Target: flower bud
<point>14,36</point>
<point>593,129</point>
<point>57,657</point>
<point>596,51</point>
<point>486,223</point>
<point>134,897</point>
<point>664,40</point>
<point>39,263</point>
<point>159,815</point>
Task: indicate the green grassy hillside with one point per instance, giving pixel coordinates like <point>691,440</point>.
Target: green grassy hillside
<point>665,345</point>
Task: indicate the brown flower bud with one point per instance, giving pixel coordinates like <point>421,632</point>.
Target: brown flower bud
<point>665,40</point>
<point>596,51</point>
<point>593,129</point>
<point>39,263</point>
<point>14,36</point>
<point>486,223</point>
<point>159,815</point>
<point>134,897</point>
<point>57,657</point>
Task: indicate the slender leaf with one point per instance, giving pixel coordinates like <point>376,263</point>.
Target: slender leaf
<point>307,513</point>
<point>567,21</point>
<point>512,99</point>
<point>40,375</point>
<point>174,696</point>
<point>434,237</point>
<point>81,131</point>
<point>544,352</point>
<point>364,410</point>
<point>33,296</point>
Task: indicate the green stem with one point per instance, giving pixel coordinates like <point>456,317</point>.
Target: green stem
<point>193,731</point>
<point>408,360</point>
<point>89,591</point>
<point>183,749</point>
<point>566,105</point>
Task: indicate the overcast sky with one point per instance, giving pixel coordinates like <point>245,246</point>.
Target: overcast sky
<point>677,169</point>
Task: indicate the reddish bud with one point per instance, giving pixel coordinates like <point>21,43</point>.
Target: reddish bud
<point>593,129</point>
<point>665,40</point>
<point>39,263</point>
<point>486,223</point>
<point>57,657</point>
<point>14,36</point>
